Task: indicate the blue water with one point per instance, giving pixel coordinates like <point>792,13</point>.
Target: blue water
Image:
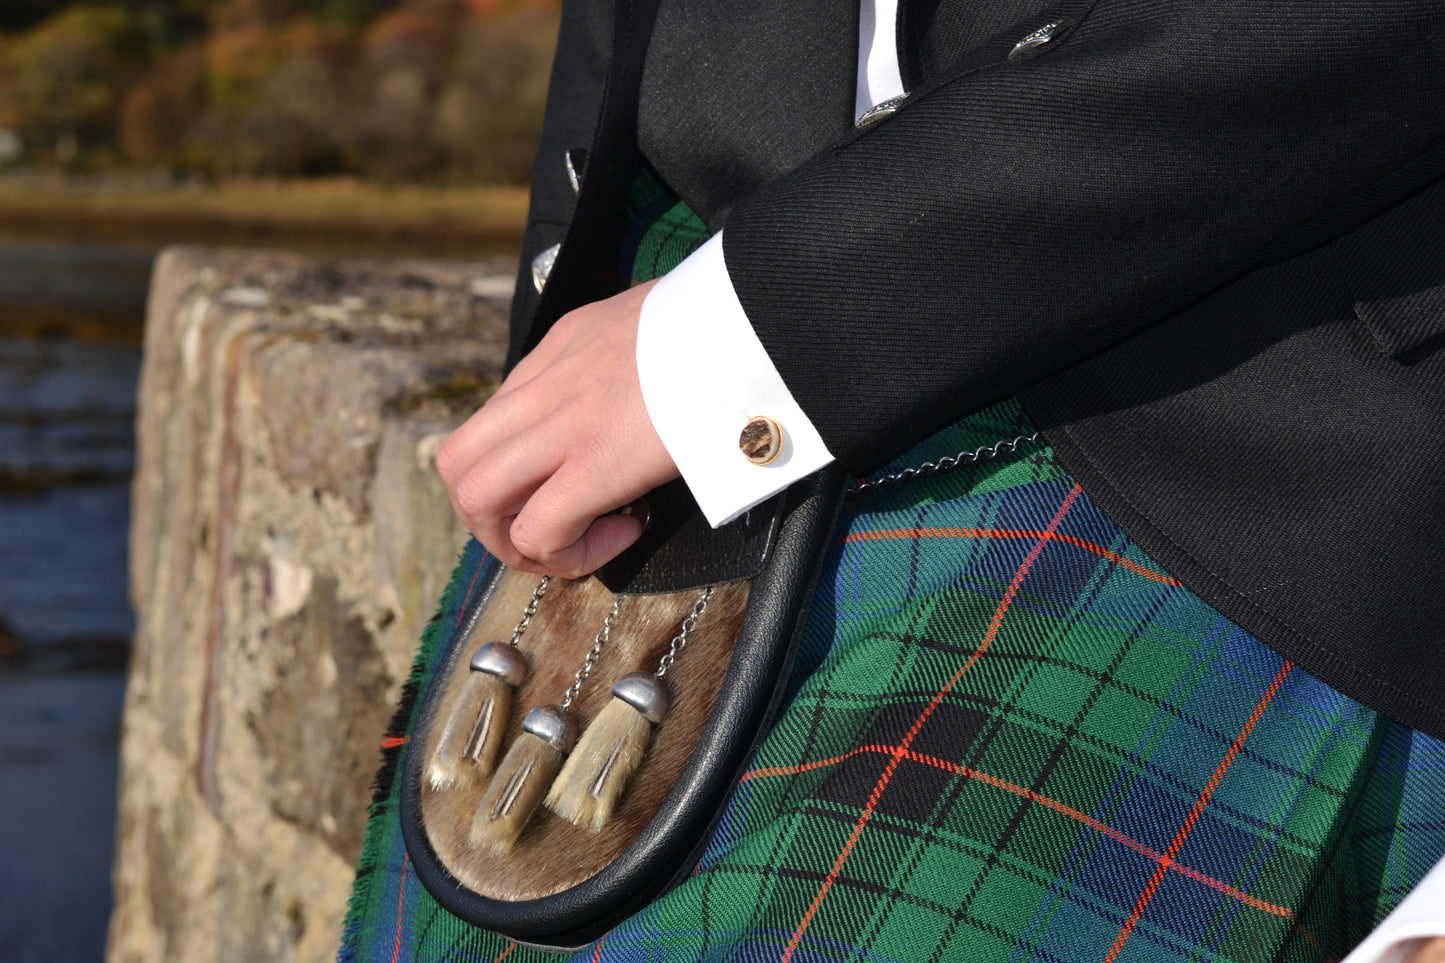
<point>70,317</point>
<point>58,737</point>
<point>67,443</point>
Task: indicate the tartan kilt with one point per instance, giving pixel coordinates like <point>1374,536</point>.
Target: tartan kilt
<point>1010,736</point>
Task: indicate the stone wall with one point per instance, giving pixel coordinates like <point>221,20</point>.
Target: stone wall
<point>289,541</point>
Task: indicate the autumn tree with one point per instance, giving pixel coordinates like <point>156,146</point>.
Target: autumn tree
<point>62,79</point>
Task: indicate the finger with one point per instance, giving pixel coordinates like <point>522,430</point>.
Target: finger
<point>489,496</point>
<point>499,421</point>
<point>552,527</point>
<point>514,559</point>
<point>603,540</point>
<point>1430,951</point>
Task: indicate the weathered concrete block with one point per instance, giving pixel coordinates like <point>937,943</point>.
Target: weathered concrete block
<point>289,541</point>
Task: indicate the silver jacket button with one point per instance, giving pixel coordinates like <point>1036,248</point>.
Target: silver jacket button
<point>1033,41</point>
<point>880,110</point>
<point>576,167</point>
<point>542,266</point>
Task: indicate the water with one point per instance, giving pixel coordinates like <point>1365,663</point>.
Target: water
<point>70,322</point>
<point>58,737</point>
<point>67,444</point>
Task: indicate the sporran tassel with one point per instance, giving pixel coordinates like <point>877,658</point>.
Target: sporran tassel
<point>548,734</point>
<point>523,777</point>
<point>613,747</point>
<point>467,748</point>
<point>506,670</point>
<point>447,767</point>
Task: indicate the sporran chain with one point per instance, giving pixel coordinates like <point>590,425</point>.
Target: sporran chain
<point>679,642</point>
<point>529,611</point>
<point>592,656</point>
<point>947,463</point>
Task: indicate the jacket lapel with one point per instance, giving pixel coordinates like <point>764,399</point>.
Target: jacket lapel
<point>737,92</point>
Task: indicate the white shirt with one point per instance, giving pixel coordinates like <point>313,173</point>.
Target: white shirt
<point>705,374</point>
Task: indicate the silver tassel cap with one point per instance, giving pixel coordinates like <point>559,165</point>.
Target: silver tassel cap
<point>646,693</point>
<point>501,660</point>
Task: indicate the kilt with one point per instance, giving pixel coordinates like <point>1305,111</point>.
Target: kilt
<point>1010,735</point>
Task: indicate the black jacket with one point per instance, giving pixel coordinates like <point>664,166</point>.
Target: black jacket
<point>1205,241</point>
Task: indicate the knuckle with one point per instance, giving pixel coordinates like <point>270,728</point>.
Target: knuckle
<point>448,459</point>
<point>568,322</point>
<point>532,543</point>
<point>471,494</point>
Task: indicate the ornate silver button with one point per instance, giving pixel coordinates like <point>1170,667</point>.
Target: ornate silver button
<point>1033,41</point>
<point>880,110</point>
<point>542,266</point>
<point>576,166</point>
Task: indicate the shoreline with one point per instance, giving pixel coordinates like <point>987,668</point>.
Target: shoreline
<point>339,216</point>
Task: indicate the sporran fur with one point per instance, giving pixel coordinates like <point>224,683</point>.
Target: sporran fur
<point>550,854</point>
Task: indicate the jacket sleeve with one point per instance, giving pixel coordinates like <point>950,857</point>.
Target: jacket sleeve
<point>1018,216</point>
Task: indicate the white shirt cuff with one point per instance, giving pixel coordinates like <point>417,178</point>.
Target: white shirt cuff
<point>1420,915</point>
<point>704,375</point>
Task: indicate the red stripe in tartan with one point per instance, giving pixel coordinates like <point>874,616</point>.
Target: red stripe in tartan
<point>1101,551</point>
<point>400,901</point>
<point>902,749</point>
<point>1049,802</point>
<point>1196,811</point>
<point>507,952</point>
<point>1310,938</point>
<point>481,564</point>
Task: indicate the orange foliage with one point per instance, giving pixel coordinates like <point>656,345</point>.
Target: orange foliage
<point>408,36</point>
<point>237,60</point>
<point>161,106</point>
<point>430,89</point>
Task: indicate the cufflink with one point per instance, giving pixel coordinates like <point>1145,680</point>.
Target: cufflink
<point>761,440</point>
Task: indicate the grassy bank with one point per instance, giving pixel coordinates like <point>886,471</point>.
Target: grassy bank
<point>341,217</point>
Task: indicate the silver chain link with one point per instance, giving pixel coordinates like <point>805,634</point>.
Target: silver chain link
<point>946,463</point>
<point>530,610</point>
<point>593,656</point>
<point>679,642</point>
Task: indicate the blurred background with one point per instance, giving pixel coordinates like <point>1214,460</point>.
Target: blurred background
<point>393,128</point>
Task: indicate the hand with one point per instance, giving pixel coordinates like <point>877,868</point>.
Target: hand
<point>1429,951</point>
<point>564,441</point>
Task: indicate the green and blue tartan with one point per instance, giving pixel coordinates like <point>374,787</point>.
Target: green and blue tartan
<point>1010,736</point>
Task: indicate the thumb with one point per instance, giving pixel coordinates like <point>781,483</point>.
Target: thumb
<point>605,539</point>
